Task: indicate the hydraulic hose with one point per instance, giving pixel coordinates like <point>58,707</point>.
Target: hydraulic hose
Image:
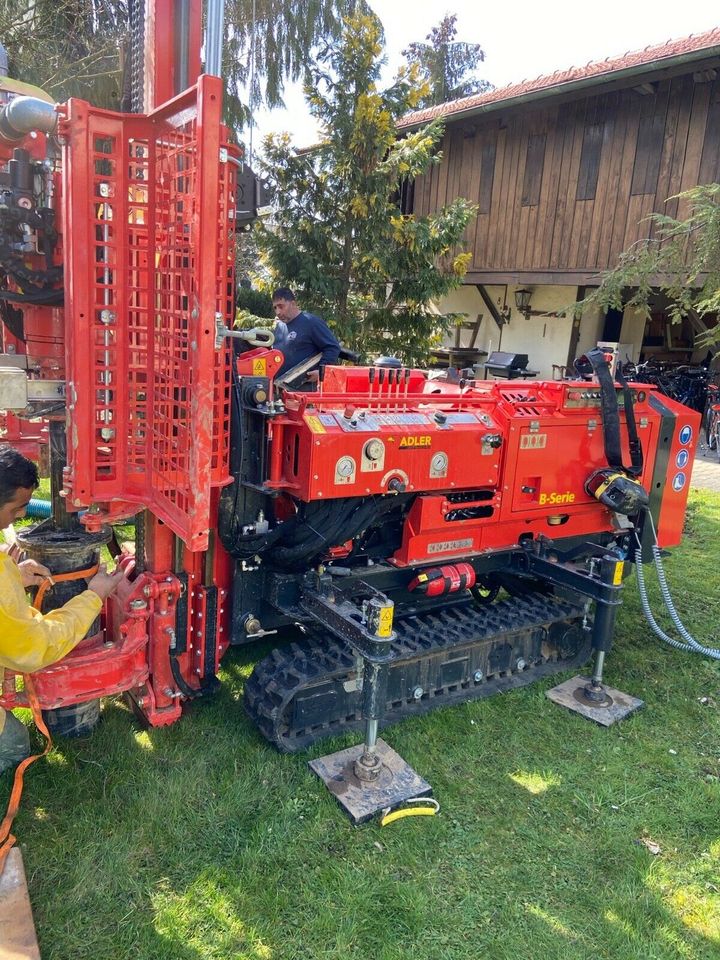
<point>346,528</point>
<point>295,533</point>
<point>318,538</point>
<point>208,686</point>
<point>690,645</point>
<point>243,548</point>
<point>316,520</point>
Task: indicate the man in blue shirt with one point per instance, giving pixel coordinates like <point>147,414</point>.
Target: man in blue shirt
<point>306,335</point>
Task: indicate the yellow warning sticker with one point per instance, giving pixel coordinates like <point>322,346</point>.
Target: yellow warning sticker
<point>385,622</point>
<point>260,367</point>
<point>618,575</point>
<point>315,425</point>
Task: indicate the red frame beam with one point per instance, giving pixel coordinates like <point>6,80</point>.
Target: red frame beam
<point>162,38</point>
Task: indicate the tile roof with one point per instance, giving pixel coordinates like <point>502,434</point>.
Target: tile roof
<point>694,44</point>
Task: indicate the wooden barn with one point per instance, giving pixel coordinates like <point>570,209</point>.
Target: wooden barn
<point>564,169</point>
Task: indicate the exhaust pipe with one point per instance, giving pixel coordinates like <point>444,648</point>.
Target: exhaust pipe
<point>4,62</point>
<point>23,115</point>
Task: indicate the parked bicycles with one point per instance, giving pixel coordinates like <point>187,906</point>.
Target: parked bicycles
<point>711,418</point>
<point>682,382</point>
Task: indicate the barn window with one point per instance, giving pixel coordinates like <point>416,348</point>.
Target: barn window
<point>487,176</point>
<point>647,154</point>
<point>590,161</point>
<point>533,169</point>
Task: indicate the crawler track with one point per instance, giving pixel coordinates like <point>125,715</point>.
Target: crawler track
<point>307,691</point>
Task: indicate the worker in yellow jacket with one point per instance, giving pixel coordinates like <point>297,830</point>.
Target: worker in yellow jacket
<point>30,640</point>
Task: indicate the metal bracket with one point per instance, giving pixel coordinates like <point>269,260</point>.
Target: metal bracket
<point>567,576</point>
<point>256,336</point>
<point>324,601</point>
<point>45,390</point>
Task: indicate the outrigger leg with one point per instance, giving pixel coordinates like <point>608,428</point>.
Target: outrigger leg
<point>590,697</point>
<point>364,780</point>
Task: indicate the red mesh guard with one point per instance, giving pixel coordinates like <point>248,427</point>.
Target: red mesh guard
<point>148,204</point>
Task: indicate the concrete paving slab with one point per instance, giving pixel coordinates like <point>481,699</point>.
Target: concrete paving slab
<point>706,470</point>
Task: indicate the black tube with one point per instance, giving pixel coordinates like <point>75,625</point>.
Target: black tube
<point>187,691</point>
<point>12,318</point>
<point>366,512</point>
<point>605,612</point>
<point>375,680</point>
<point>20,170</point>
<point>337,532</point>
<point>315,519</point>
<point>42,298</point>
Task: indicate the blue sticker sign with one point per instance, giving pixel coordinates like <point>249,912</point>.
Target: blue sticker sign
<point>678,482</point>
<point>681,460</point>
<point>686,435</point>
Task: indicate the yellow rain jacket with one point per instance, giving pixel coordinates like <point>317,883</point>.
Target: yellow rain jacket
<point>30,640</point>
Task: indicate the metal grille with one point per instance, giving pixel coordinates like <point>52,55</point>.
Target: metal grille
<point>148,207</point>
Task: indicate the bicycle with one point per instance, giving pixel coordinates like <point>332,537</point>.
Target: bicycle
<point>682,382</point>
<point>711,419</point>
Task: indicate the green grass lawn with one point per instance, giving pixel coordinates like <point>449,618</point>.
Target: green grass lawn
<point>199,841</point>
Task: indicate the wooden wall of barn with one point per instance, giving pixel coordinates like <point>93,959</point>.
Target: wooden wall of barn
<point>563,187</point>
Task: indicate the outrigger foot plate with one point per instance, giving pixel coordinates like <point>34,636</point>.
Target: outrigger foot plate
<point>615,706</point>
<point>361,800</point>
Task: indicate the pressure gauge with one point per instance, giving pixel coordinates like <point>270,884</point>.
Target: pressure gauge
<point>439,465</point>
<point>345,470</point>
<point>373,456</point>
<point>374,449</point>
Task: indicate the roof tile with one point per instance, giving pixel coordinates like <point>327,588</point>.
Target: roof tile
<point>663,51</point>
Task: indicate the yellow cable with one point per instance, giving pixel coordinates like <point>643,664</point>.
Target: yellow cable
<point>427,807</point>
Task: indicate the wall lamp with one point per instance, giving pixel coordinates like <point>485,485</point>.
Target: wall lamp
<point>522,302</point>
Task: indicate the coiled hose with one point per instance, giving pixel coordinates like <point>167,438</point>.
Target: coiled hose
<point>690,644</point>
<point>39,508</point>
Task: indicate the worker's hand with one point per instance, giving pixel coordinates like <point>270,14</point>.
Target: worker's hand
<point>104,583</point>
<point>312,376</point>
<point>33,573</point>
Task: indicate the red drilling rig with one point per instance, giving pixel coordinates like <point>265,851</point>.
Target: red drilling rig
<point>435,541</point>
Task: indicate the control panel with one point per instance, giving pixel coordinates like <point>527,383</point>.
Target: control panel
<point>342,451</point>
<point>578,398</point>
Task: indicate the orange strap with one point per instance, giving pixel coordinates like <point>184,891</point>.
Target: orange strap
<point>61,578</point>
<point>7,839</point>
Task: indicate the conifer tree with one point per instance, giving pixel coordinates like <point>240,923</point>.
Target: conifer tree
<point>447,64</point>
<point>339,236</point>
